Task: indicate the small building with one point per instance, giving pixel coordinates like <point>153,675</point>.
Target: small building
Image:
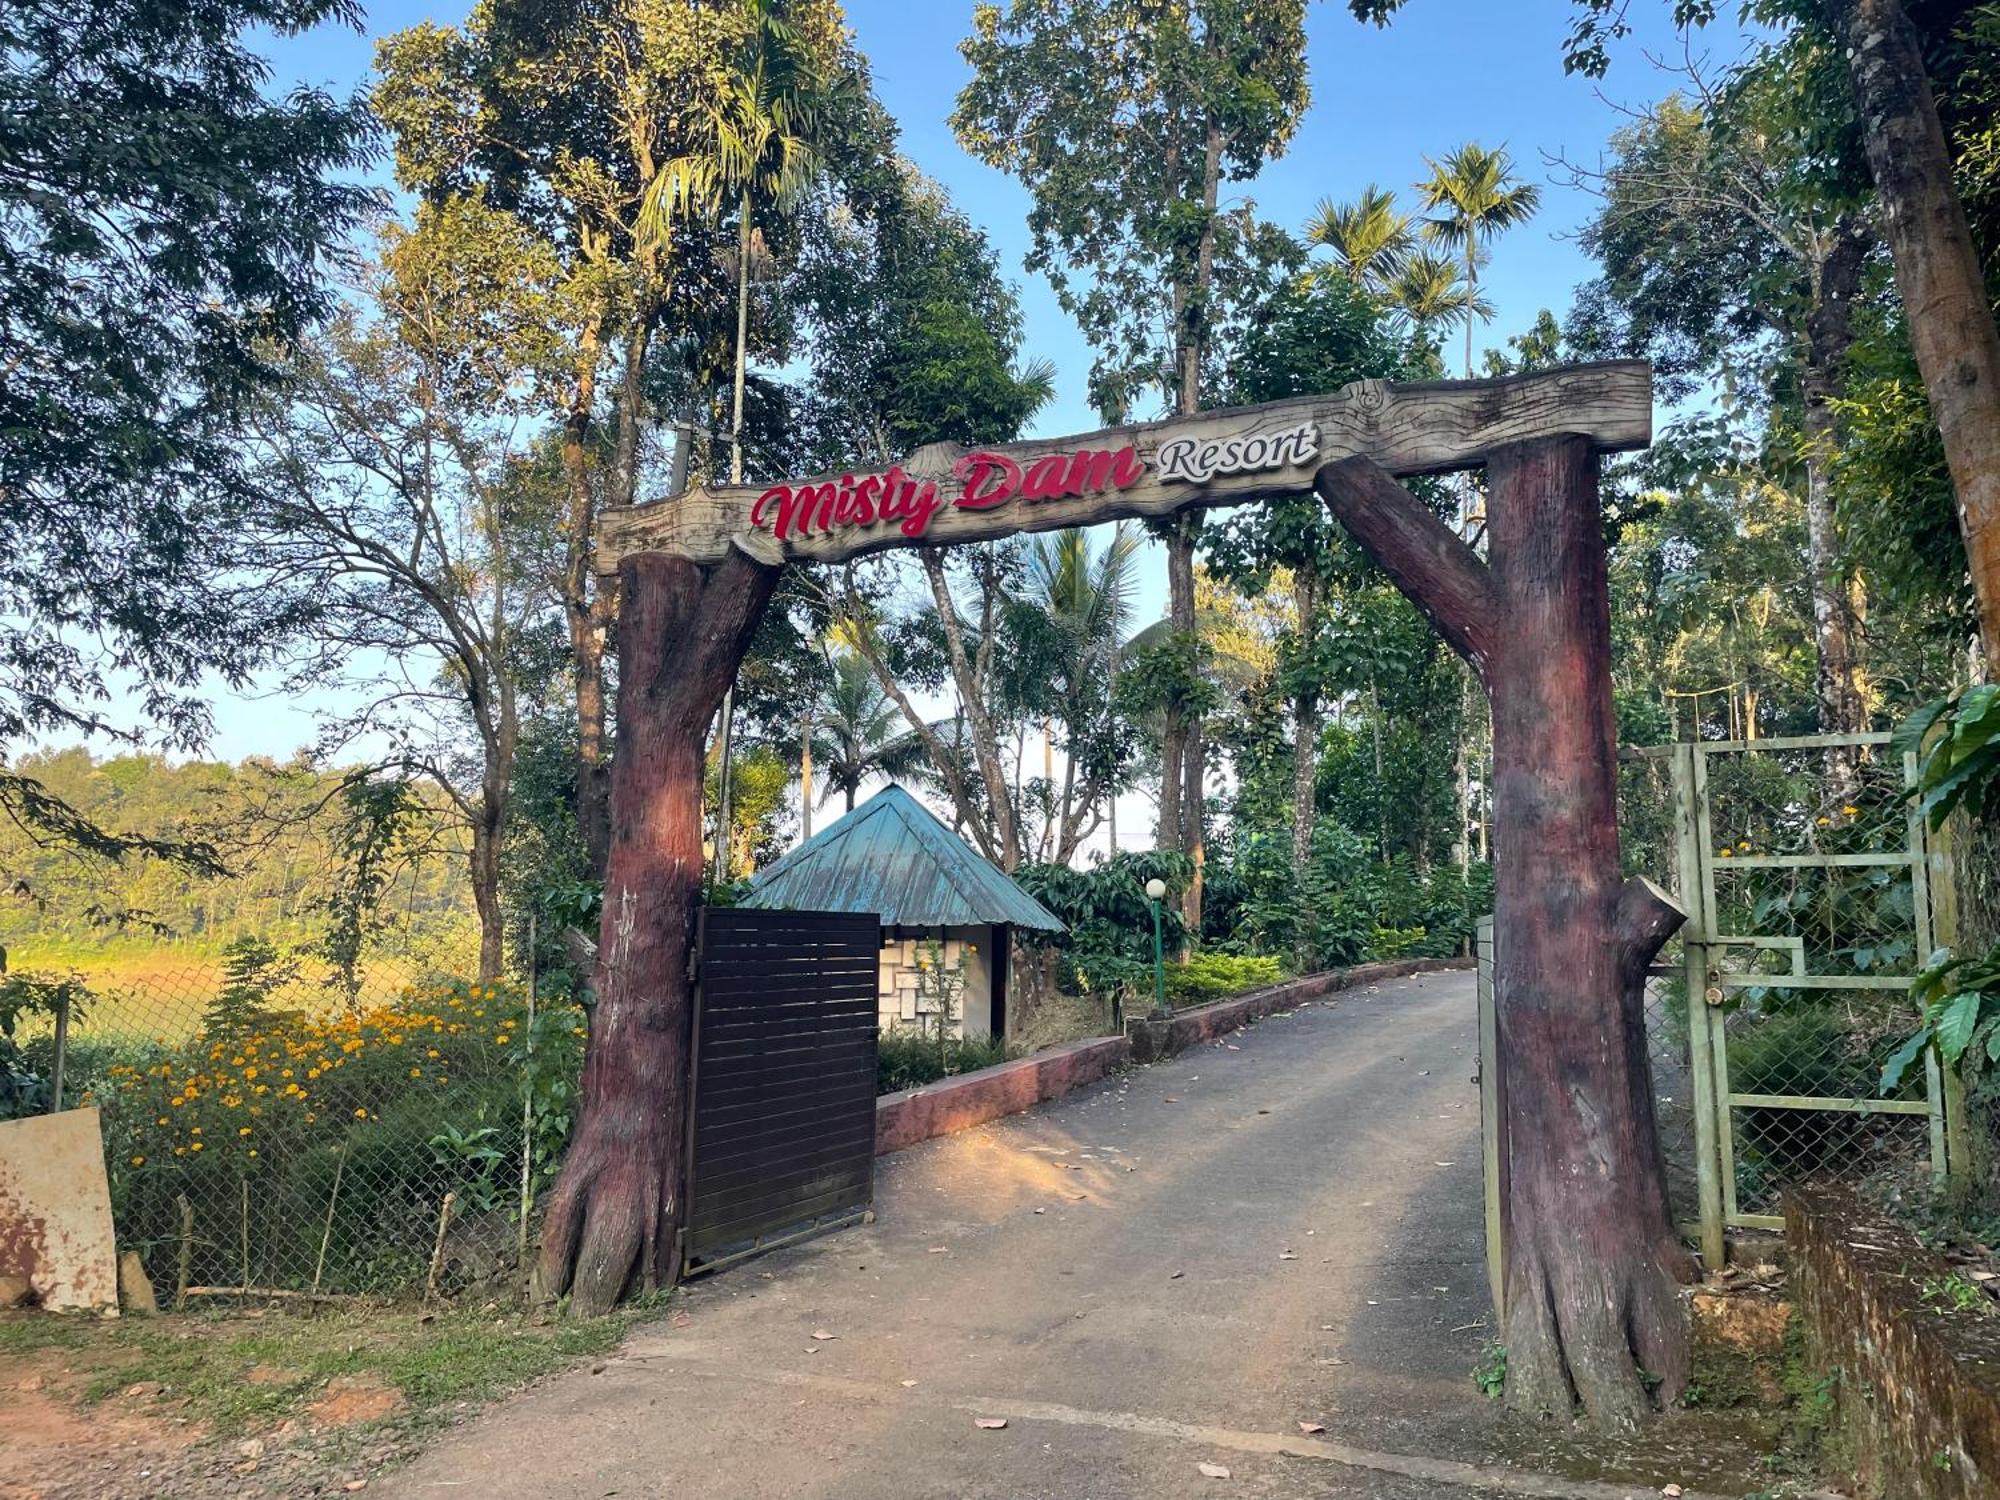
<point>941,904</point>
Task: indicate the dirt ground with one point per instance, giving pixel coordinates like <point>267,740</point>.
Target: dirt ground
<point>254,1402</point>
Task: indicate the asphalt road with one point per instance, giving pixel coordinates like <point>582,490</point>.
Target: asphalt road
<point>1174,1268</point>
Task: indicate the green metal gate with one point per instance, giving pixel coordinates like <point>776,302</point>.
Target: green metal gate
<point>1807,879</point>
<point>1806,875</point>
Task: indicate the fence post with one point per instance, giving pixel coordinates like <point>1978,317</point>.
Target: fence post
<point>61,1050</point>
<point>1943,892</point>
<point>528,1105</point>
<point>1708,1116</point>
<point>1491,1119</point>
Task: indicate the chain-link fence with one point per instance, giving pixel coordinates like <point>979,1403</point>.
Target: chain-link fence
<point>276,1124</point>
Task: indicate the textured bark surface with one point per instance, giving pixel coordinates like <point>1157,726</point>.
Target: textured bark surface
<point>1829,335</point>
<point>614,1211</point>
<point>1593,1306</point>
<point>1937,272</point>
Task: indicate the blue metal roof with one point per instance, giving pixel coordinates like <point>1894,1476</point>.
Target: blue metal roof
<point>891,856</point>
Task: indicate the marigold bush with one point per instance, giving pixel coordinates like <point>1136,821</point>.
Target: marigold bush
<point>320,1148</point>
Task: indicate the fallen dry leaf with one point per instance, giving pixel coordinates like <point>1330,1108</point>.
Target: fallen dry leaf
<point>1286,1255</point>
<point>1670,1490</point>
<point>823,1336</point>
<point>991,1424</point>
<point>1311,1427</point>
<point>908,1383</point>
<point>1213,1471</point>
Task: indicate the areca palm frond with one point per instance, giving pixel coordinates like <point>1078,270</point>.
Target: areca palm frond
<point>1037,382</point>
<point>1432,292</point>
<point>1472,195</point>
<point>1371,239</point>
<point>859,732</point>
<point>758,134</point>
<point>1088,598</point>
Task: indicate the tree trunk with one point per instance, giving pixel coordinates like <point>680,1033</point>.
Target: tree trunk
<point>806,780</point>
<point>1305,759</point>
<point>1592,1261</point>
<point>1829,334</point>
<point>742,342</point>
<point>971,685</point>
<point>1937,272</point>
<point>1181,756</point>
<point>488,821</point>
<point>587,608</point>
<point>615,1211</point>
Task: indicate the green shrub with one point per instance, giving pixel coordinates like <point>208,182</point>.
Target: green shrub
<point>1215,976</point>
<point>910,1059</point>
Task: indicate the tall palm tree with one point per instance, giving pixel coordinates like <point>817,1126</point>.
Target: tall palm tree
<point>858,734</point>
<point>1087,598</point>
<point>1375,245</point>
<point>1371,238</point>
<point>760,141</point>
<point>1470,197</point>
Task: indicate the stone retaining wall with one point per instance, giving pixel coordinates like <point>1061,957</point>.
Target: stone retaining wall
<point>1917,1384</point>
<point>969,1099</point>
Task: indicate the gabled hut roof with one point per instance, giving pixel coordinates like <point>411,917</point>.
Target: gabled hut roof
<point>892,856</point>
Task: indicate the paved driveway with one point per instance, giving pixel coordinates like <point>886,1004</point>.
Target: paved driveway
<point>1173,1268</point>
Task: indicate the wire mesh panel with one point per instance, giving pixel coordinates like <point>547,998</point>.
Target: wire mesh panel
<point>783,1133</point>
<point>273,1122</point>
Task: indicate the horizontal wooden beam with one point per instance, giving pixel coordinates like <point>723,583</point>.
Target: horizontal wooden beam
<point>944,493</point>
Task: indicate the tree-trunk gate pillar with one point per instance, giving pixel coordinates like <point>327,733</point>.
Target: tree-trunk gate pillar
<point>1592,1294</point>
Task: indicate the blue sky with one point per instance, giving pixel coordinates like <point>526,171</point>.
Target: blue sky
<point>1446,72</point>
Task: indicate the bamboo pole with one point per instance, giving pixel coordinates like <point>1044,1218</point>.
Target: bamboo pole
<point>326,1233</point>
<point>437,1250</point>
<point>186,1251</point>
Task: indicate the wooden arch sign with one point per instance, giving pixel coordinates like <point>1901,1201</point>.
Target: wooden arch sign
<point>1592,1259</point>
<point>944,494</point>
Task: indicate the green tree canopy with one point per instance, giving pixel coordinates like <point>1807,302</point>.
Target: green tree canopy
<point>169,226</point>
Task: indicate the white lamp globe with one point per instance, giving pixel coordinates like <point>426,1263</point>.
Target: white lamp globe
<point>1156,888</point>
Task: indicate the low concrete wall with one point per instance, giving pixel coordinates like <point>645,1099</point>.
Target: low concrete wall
<point>1918,1386</point>
<point>969,1099</point>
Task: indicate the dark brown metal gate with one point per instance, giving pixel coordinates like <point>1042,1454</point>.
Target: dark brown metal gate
<point>781,1141</point>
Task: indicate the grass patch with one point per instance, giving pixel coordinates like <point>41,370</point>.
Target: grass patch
<point>207,1360</point>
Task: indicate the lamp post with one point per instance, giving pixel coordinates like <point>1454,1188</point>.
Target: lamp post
<point>1156,890</point>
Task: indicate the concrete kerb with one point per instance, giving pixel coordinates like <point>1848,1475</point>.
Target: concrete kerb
<point>953,1104</point>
